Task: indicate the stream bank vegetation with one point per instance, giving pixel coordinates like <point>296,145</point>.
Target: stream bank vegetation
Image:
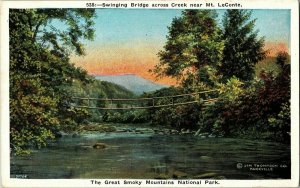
<point>254,89</point>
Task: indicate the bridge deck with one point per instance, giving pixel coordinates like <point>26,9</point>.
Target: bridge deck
<point>193,98</point>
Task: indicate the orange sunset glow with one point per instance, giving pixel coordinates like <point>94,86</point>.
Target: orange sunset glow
<point>123,59</point>
<point>273,48</point>
<point>127,42</point>
<point>138,59</point>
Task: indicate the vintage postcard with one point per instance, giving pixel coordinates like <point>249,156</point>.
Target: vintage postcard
<point>150,93</point>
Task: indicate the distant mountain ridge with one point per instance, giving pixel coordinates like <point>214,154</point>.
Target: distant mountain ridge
<point>132,82</point>
<point>100,89</point>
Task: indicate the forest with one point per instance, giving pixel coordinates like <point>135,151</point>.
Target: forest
<point>200,53</point>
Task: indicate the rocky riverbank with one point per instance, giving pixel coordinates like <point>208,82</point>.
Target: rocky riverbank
<point>133,129</point>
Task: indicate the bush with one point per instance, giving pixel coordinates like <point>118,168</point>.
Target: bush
<point>260,110</point>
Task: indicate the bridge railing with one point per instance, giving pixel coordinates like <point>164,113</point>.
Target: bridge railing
<point>203,97</point>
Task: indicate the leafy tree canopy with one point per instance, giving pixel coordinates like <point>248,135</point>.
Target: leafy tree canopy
<point>242,48</point>
<point>193,49</point>
<point>40,72</point>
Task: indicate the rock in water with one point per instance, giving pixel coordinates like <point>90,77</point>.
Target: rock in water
<point>178,174</point>
<point>206,175</point>
<point>99,146</point>
<point>205,158</point>
<point>86,147</point>
<point>163,176</point>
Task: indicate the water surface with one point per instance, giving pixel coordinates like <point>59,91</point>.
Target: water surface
<point>130,155</point>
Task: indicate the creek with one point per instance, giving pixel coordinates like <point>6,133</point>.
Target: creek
<point>149,156</point>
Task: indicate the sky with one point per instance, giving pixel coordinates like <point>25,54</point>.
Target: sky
<point>127,40</point>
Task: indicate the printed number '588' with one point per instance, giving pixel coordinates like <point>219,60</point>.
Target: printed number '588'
<point>90,5</point>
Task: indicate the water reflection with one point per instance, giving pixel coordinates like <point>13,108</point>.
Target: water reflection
<point>130,155</point>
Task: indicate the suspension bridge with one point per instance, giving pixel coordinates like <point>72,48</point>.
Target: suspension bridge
<point>203,97</point>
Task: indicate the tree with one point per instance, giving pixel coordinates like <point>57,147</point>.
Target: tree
<point>262,111</point>
<point>40,71</point>
<point>193,49</point>
<point>242,48</point>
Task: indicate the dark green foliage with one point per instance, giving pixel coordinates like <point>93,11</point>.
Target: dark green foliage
<point>43,82</point>
<point>131,116</point>
<point>98,89</point>
<point>242,48</point>
<point>114,90</point>
<point>268,64</point>
<point>40,72</point>
<point>193,49</point>
<point>196,54</point>
<point>175,116</point>
<point>262,111</point>
<point>281,123</point>
<point>178,117</point>
<point>61,40</point>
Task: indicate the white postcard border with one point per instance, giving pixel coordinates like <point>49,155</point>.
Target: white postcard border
<point>247,4</point>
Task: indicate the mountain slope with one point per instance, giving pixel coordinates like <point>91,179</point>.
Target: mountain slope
<point>112,90</point>
<point>101,89</point>
<point>132,82</point>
